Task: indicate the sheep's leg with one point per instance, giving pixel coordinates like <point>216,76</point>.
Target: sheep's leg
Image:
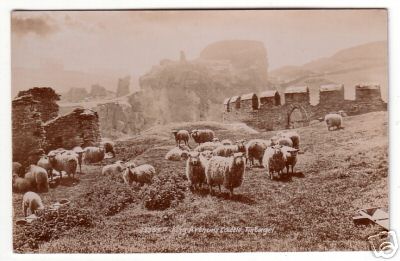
<point>260,161</point>
<point>219,187</point>
<point>231,192</point>
<point>25,208</point>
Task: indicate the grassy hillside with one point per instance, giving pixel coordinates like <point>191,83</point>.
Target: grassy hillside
<point>338,173</point>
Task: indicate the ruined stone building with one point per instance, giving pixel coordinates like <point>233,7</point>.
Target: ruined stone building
<point>36,124</point>
<point>266,112</point>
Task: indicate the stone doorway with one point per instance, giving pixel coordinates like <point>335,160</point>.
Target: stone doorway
<point>297,117</point>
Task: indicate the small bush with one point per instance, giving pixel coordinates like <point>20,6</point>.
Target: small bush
<point>166,190</point>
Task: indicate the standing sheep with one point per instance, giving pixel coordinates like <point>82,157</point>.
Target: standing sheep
<point>93,154</point>
<point>333,120</point>
<point>66,161</point>
<point>274,160</point>
<point>226,171</point>
<point>255,150</point>
<point>79,151</point>
<point>201,136</point>
<point>38,177</point>
<point>290,155</point>
<point>195,169</point>
<point>113,169</point>
<point>32,202</point>
<point>181,135</point>
<point>141,174</point>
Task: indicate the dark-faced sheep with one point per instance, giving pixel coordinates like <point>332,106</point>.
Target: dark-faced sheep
<point>274,160</point>
<point>195,169</point>
<point>108,147</point>
<point>93,154</point>
<point>255,150</point>
<point>31,202</point>
<point>201,136</point>
<point>226,171</point>
<point>181,135</point>
<point>333,120</point>
<point>38,177</point>
<point>141,174</point>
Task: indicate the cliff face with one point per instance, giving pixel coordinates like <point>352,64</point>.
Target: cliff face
<point>193,90</point>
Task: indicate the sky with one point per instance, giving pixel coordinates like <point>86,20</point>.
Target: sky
<point>130,42</point>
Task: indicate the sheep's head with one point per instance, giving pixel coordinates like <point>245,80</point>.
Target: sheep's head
<point>194,133</point>
<point>194,158</point>
<point>207,154</point>
<point>278,154</point>
<point>238,159</point>
<point>184,155</point>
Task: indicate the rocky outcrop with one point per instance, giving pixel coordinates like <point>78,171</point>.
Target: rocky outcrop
<point>97,91</point>
<point>123,86</point>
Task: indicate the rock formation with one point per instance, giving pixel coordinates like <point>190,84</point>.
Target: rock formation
<point>123,86</point>
<point>97,91</point>
<point>75,95</point>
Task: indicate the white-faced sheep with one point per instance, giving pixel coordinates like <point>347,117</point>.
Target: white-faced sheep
<point>21,185</point>
<point>31,202</point>
<point>79,151</point>
<point>333,120</point>
<point>201,136</point>
<point>113,169</point>
<point>141,174</point>
<point>108,147</point>
<point>181,135</point>
<point>65,161</point>
<point>294,136</point>
<point>255,150</point>
<point>207,146</point>
<point>226,171</point>
<point>93,154</point>
<point>44,162</point>
<point>290,155</point>
<point>274,160</point>
<point>38,177</point>
<point>176,154</point>
<point>195,169</point>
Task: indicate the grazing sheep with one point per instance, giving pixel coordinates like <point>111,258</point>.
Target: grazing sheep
<point>141,174</point>
<point>93,154</point>
<point>38,177</point>
<point>17,168</point>
<point>108,147</point>
<point>333,120</point>
<point>79,151</point>
<point>201,136</point>
<point>228,150</point>
<point>290,155</point>
<point>226,142</point>
<point>195,169</point>
<point>274,160</point>
<point>114,168</point>
<point>181,135</point>
<point>65,161</point>
<point>21,185</point>
<point>176,154</point>
<point>227,171</point>
<point>44,162</point>
<point>294,136</point>
<point>32,202</point>
<point>207,146</point>
<point>255,150</point>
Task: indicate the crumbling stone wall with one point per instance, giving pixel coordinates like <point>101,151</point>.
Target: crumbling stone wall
<point>78,128</point>
<point>27,131</point>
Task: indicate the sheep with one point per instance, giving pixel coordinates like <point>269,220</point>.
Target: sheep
<point>65,161</point>
<point>227,171</point>
<point>215,140</point>
<point>176,154</point>
<point>201,136</point>
<point>17,168</point>
<point>141,174</point>
<point>38,177</point>
<point>290,155</point>
<point>21,185</point>
<point>108,146</point>
<point>255,150</point>
<point>294,136</point>
<point>195,168</point>
<point>32,202</point>
<point>181,135</point>
<point>93,154</point>
<point>285,141</point>
<point>114,168</point>
<point>333,120</point>
<point>207,146</point>
<point>44,162</point>
<point>274,160</point>
<point>79,151</point>
<point>229,150</point>
<point>226,142</point>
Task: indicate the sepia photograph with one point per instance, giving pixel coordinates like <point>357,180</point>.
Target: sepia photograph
<point>200,130</point>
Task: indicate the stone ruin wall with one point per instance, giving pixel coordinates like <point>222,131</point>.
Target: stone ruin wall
<point>269,117</point>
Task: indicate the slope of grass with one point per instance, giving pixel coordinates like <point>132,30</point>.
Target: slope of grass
<point>338,173</point>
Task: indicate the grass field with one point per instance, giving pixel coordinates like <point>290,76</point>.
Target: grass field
<point>338,173</point>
